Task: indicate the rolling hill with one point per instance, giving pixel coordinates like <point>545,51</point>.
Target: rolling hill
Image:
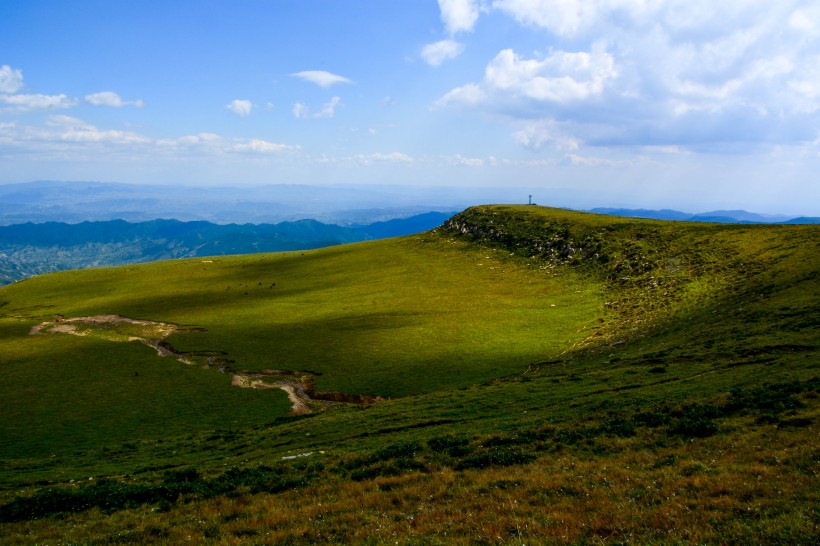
<point>32,249</point>
<point>520,374</point>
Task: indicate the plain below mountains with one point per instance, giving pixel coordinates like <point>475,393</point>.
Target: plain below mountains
<point>31,249</point>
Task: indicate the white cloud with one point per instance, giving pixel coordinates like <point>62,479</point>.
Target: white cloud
<point>241,108</point>
<point>444,50</point>
<point>264,147</point>
<point>214,145</point>
<point>66,136</point>
<point>300,110</point>
<point>71,129</point>
<point>588,161</point>
<point>321,77</point>
<point>471,94</point>
<point>200,141</point>
<point>459,159</point>
<point>535,135</point>
<point>563,77</point>
<point>458,15</point>
<point>63,133</point>
<point>392,157</point>
<point>368,160</point>
<point>328,110</point>
<point>679,73</point>
<point>109,98</point>
<point>25,103</point>
<point>565,17</point>
<point>11,80</point>
<point>805,19</point>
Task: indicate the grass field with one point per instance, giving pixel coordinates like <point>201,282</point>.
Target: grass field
<point>552,377</point>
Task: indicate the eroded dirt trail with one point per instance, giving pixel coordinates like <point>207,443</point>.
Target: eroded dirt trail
<point>153,333</point>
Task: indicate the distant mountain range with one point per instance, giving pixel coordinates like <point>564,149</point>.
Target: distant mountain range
<point>49,226</point>
<point>31,249</point>
<point>720,216</point>
<point>73,202</point>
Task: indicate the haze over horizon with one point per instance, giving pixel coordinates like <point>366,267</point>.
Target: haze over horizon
<point>689,105</point>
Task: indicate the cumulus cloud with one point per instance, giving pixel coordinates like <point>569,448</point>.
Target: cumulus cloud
<point>109,98</point>
<point>438,52</point>
<point>11,80</point>
<point>564,18</point>
<point>563,77</point>
<point>241,108</point>
<point>458,15</point>
<point>669,73</point>
<point>328,110</point>
<point>321,77</point>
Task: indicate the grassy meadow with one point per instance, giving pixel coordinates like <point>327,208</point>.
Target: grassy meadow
<point>549,377</point>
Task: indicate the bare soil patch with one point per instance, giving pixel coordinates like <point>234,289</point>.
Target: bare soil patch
<point>297,384</point>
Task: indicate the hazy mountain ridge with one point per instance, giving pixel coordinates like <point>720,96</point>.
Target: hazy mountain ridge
<point>74,202</point>
<point>32,249</point>
<point>719,216</point>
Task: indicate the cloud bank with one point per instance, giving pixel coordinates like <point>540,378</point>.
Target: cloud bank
<point>696,74</point>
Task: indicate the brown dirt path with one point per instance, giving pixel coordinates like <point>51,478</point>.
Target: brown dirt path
<point>154,336</point>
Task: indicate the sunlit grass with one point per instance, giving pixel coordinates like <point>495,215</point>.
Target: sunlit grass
<point>390,318</point>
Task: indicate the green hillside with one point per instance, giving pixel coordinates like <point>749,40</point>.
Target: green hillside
<point>522,374</point>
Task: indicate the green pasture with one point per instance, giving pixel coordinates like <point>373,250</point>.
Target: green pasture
<point>517,336</point>
<point>661,311</point>
<point>392,318</point>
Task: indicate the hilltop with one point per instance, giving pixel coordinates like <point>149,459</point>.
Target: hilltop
<point>521,373</point>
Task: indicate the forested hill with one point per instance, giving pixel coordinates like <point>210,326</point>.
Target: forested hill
<point>31,249</point>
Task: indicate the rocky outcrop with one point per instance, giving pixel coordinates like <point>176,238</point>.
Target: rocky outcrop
<point>543,238</point>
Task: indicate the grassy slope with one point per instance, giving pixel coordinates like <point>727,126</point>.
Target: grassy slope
<point>694,312</point>
<point>428,317</point>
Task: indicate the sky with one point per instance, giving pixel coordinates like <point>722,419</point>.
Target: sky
<point>694,105</point>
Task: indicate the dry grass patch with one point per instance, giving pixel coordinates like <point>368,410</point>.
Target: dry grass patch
<point>755,487</point>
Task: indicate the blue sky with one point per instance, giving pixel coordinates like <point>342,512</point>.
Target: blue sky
<point>687,104</point>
